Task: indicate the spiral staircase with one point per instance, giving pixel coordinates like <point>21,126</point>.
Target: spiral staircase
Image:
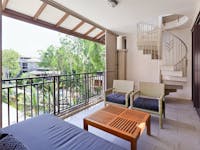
<point>167,47</point>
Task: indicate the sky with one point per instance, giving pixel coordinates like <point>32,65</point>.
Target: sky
<point>26,38</point>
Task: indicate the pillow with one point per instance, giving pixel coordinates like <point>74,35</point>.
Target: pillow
<point>2,134</point>
<point>8,142</point>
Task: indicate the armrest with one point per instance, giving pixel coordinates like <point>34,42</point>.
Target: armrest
<point>132,95</point>
<point>161,99</point>
<point>108,91</point>
<point>127,96</point>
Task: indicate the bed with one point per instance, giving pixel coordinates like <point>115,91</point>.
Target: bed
<point>47,132</point>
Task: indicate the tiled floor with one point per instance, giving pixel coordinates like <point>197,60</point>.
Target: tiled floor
<point>181,128</point>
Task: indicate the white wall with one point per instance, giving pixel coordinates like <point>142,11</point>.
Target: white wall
<point>140,67</point>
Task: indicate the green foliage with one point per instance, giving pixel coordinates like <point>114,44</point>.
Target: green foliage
<point>10,61</point>
<point>74,56</point>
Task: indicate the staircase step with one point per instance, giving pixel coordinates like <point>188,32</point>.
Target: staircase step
<point>173,87</point>
<point>168,91</point>
<point>174,78</point>
<point>175,83</point>
<point>172,73</point>
<point>167,68</point>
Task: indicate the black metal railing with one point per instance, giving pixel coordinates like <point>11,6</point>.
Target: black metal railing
<point>28,97</point>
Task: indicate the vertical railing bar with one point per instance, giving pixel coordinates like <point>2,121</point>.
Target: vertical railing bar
<point>88,88</point>
<point>85,82</point>
<point>54,95</point>
<point>38,101</point>
<point>70,90</point>
<point>43,95</point>
<point>8,106</point>
<point>66,90</point>
<point>32,98</point>
<point>58,94</point>
<point>16,100</point>
<point>49,96</point>
<point>77,92</point>
<point>62,95</point>
<point>24,102</point>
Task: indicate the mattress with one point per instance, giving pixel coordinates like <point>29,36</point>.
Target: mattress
<point>47,132</point>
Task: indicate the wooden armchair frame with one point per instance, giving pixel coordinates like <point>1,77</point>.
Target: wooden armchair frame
<point>151,91</point>
<point>122,87</point>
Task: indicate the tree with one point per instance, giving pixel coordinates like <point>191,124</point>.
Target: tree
<point>10,62</point>
<point>75,55</point>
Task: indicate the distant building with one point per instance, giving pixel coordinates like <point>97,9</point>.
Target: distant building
<point>28,64</point>
<point>44,72</point>
<point>5,73</point>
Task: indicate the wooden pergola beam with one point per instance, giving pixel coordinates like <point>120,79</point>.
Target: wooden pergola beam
<point>28,19</point>
<point>90,30</point>
<point>78,26</point>
<point>62,19</point>
<point>5,3</point>
<point>99,34</point>
<point>101,37</point>
<point>65,9</point>
<point>39,11</point>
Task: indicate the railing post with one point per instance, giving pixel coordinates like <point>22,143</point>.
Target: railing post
<point>54,95</point>
<point>16,97</point>
<point>32,98</point>
<point>8,106</point>
<point>86,88</point>
<point>58,93</point>
<point>43,99</point>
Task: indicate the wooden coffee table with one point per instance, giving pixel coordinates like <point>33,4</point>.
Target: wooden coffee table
<point>122,122</point>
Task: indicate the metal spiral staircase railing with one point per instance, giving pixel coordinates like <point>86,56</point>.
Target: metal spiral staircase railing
<point>149,39</point>
<point>174,52</point>
<point>169,48</point>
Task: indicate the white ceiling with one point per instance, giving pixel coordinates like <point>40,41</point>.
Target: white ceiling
<point>123,18</point>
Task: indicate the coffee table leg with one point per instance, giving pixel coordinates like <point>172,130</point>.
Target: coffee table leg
<point>149,126</point>
<point>134,145</point>
<point>85,125</point>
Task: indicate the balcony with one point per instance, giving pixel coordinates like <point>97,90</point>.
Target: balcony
<point>60,95</point>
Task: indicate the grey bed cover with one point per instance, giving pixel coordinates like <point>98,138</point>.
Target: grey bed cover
<point>48,132</point>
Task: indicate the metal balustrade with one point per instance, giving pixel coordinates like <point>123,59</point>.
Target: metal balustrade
<point>149,39</point>
<point>28,97</point>
<point>174,52</point>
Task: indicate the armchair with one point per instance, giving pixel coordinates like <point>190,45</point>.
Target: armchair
<point>120,93</point>
<point>150,98</point>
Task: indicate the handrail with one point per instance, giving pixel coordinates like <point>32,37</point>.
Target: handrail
<point>28,97</point>
<point>149,39</point>
<point>175,53</point>
<point>26,78</point>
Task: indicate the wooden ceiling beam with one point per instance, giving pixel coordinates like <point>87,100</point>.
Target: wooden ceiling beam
<point>78,26</point>
<point>65,9</point>
<point>99,34</point>
<point>5,3</point>
<point>39,11</point>
<point>28,19</point>
<point>101,37</point>
<point>90,30</point>
<point>62,19</point>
